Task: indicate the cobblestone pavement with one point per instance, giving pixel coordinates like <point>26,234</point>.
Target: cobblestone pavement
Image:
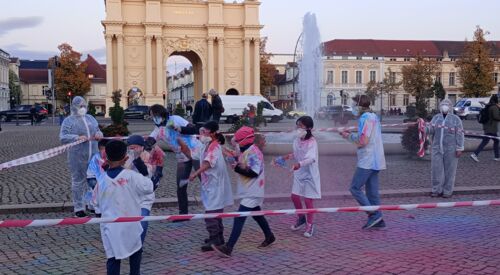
<point>431,241</point>
<point>49,181</point>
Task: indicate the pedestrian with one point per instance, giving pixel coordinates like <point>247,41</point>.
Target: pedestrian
<point>447,146</point>
<point>250,178</point>
<point>399,112</point>
<point>186,148</point>
<point>217,106</point>
<point>95,171</point>
<point>80,126</point>
<point>61,114</point>
<point>371,159</point>
<point>202,111</point>
<point>490,127</point>
<point>215,182</point>
<point>138,161</point>
<point>252,113</point>
<point>33,115</point>
<point>120,194</point>
<point>189,109</point>
<point>306,178</point>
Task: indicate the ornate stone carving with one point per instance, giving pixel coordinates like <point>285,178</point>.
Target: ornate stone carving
<point>184,44</point>
<point>135,78</point>
<point>134,55</point>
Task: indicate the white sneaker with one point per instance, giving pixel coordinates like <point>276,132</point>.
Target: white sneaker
<point>496,159</point>
<point>309,230</point>
<point>474,157</point>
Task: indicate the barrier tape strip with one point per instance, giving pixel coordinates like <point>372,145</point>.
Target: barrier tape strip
<point>79,221</point>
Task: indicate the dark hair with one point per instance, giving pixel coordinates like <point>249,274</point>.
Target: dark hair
<point>362,101</point>
<point>220,138</point>
<point>116,150</point>
<point>309,123</point>
<point>102,143</point>
<point>211,126</point>
<point>493,100</point>
<point>158,110</point>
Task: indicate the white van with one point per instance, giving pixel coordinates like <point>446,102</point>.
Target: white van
<point>235,104</point>
<point>469,108</point>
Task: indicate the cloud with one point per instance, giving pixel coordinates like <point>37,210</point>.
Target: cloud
<point>14,23</point>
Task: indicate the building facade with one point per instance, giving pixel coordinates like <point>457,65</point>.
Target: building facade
<point>181,88</point>
<point>4,80</point>
<point>220,39</point>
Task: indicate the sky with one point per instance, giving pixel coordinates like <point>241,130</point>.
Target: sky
<point>32,29</point>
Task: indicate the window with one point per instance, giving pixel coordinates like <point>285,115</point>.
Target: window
<point>359,77</point>
<point>392,77</point>
<point>358,58</point>
<point>373,76</point>
<point>273,91</point>
<point>406,59</point>
<point>406,100</point>
<point>495,78</point>
<point>438,77</point>
<point>393,100</point>
<point>329,77</point>
<point>375,58</point>
<point>329,100</point>
<point>344,77</point>
<point>453,59</point>
<point>392,59</point>
<point>439,59</point>
<point>451,80</point>
<point>267,106</point>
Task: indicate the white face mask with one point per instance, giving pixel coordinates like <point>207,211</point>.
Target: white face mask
<point>445,109</point>
<point>301,133</point>
<point>157,120</point>
<point>82,111</point>
<point>205,139</point>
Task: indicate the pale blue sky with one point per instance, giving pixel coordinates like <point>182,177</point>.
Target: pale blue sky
<point>33,28</point>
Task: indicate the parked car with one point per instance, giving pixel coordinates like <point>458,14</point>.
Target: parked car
<point>137,111</point>
<point>337,113</point>
<point>469,108</point>
<point>295,114</point>
<point>234,106</point>
<point>22,112</point>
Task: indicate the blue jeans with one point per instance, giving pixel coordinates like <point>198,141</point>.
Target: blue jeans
<point>240,221</point>
<point>144,212</point>
<point>369,179</point>
<point>113,265</point>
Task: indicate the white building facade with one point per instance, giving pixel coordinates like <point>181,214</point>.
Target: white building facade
<point>4,80</point>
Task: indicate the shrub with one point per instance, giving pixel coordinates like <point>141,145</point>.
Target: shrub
<point>92,111</point>
<point>119,125</point>
<point>179,111</point>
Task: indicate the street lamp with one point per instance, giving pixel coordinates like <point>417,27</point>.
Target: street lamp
<point>16,84</point>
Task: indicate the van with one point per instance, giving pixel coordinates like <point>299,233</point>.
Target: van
<point>469,108</point>
<point>235,104</point>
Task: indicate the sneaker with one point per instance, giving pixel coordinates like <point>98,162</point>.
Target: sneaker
<point>207,247</point>
<point>309,230</point>
<point>447,196</point>
<point>372,220</point>
<point>380,224</point>
<point>474,157</point>
<point>80,214</point>
<point>222,250</point>
<point>496,159</point>
<point>301,221</point>
<point>267,242</point>
<point>435,195</point>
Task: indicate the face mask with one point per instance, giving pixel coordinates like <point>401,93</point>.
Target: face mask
<point>157,120</point>
<point>301,133</point>
<point>445,109</point>
<point>82,111</point>
<point>355,110</point>
<point>205,139</point>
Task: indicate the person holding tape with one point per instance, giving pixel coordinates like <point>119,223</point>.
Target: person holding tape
<point>447,146</point>
<point>80,126</point>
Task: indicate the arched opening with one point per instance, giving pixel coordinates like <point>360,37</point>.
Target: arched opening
<point>232,91</point>
<point>135,97</point>
<point>184,79</point>
<point>329,100</point>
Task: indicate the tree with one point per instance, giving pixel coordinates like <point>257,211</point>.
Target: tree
<point>118,126</point>
<point>70,74</point>
<point>15,89</point>
<point>418,79</point>
<point>267,70</point>
<point>475,67</point>
<point>386,86</point>
<point>439,92</point>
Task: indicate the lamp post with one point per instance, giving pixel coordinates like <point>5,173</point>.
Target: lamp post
<point>293,71</point>
<point>381,100</point>
<point>16,83</point>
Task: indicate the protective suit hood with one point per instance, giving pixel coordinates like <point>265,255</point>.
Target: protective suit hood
<point>445,102</point>
<point>77,102</point>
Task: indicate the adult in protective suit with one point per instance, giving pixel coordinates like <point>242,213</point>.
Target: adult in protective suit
<point>447,147</point>
<point>80,126</point>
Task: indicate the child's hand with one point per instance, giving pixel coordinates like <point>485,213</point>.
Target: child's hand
<point>192,177</point>
<point>296,166</point>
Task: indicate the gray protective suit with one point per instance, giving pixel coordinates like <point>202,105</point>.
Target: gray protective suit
<point>445,144</point>
<point>79,156</point>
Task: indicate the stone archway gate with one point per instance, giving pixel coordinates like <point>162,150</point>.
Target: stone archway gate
<point>142,34</point>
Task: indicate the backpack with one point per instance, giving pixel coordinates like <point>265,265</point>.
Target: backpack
<point>484,115</point>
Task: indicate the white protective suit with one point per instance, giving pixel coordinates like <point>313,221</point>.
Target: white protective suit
<point>445,144</point>
<point>79,156</point>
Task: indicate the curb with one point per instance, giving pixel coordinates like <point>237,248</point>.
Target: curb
<point>283,197</point>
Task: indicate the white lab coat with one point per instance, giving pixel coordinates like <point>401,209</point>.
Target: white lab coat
<point>216,190</point>
<point>119,197</point>
<point>306,180</point>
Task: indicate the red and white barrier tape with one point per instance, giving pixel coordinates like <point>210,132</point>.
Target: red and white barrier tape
<point>470,133</point>
<point>43,155</point>
<point>78,221</point>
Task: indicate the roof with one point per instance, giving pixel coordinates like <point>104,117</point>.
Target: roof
<point>398,48</point>
<point>95,69</point>
<point>34,76</point>
<point>34,64</point>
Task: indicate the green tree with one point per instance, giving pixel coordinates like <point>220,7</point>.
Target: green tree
<point>15,89</point>
<point>418,79</point>
<point>70,74</point>
<point>267,70</point>
<point>439,92</point>
<point>476,68</point>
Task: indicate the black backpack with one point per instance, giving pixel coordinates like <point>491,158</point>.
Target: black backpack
<point>484,115</point>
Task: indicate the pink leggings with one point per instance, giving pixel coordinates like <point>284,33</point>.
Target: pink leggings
<point>298,205</point>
